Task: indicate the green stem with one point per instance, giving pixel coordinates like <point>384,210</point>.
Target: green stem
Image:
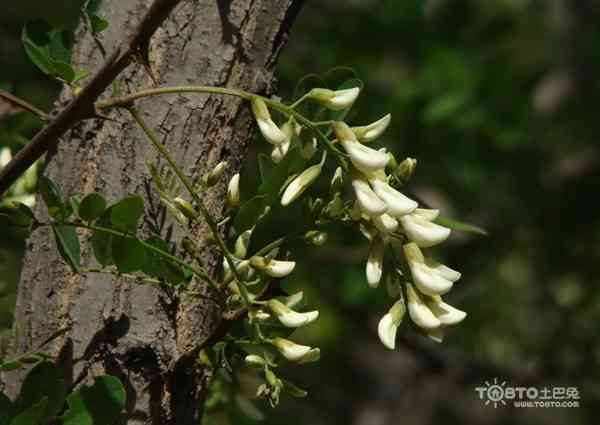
<point>126,275</point>
<point>190,188</point>
<point>197,271</point>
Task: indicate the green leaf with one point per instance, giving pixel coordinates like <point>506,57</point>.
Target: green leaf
<point>63,70</point>
<point>44,381</point>
<point>36,39</point>
<point>102,241</point>
<point>98,24</point>
<point>249,213</point>
<point>33,415</point>
<point>127,212</point>
<point>157,266</point>
<point>6,409</point>
<point>92,207</point>
<point>460,226</point>
<point>68,245</point>
<point>129,254</point>
<point>80,75</point>
<point>265,166</point>
<point>53,197</point>
<point>99,404</point>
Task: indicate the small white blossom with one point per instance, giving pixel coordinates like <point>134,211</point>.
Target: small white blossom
<point>5,156</point>
<point>430,280</point>
<point>367,200</point>
<point>296,352</point>
<point>368,133</point>
<point>445,313</point>
<point>300,184</point>
<point>385,223</point>
<point>267,127</point>
<point>274,268</point>
<point>418,311</point>
<point>398,203</point>
<point>374,268</point>
<point>335,100</point>
<point>241,244</point>
<point>423,232</point>
<point>289,317</point>
<point>388,325</point>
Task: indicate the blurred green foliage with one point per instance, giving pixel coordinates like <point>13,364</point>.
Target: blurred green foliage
<point>497,101</point>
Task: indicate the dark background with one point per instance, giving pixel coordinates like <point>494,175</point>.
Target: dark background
<point>497,100</point>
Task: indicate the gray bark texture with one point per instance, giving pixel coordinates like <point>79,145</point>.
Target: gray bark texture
<point>143,335</point>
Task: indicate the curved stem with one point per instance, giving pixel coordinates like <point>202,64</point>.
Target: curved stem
<point>200,204</point>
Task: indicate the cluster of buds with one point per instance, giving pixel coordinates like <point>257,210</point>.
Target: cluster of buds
<point>22,190</point>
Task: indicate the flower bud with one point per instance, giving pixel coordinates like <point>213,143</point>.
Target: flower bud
<point>419,313</point>
<point>273,268</point>
<point>242,242</point>
<point>315,237</point>
<point>5,156</point>
<point>280,150</point>
<point>445,313</point>
<point>211,178</point>
<point>422,232</point>
<point>289,317</point>
<point>258,315</point>
<point>294,299</point>
<point>388,325</point>
<point>374,268</point>
<point>337,181</point>
<point>296,352</point>
<point>368,133</point>
<point>405,169</point>
<point>335,100</point>
<point>309,149</point>
<point>300,184</point>
<point>233,191</point>
<point>426,214</point>
<point>254,360</point>
<point>174,210</point>
<point>185,207</point>
<point>367,200</point>
<point>268,128</point>
<point>397,203</point>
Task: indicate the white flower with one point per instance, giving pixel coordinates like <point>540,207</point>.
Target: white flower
<point>279,151</point>
<point>388,325</point>
<point>398,204</point>
<point>423,232</point>
<point>426,214</point>
<point>418,311</point>
<point>364,158</point>
<point>294,299</point>
<point>335,100</point>
<point>367,200</point>
<point>233,191</point>
<point>430,280</point>
<point>289,317</point>
<point>242,242</point>
<point>268,128</point>
<point>274,268</point>
<point>300,184</point>
<point>255,360</point>
<point>374,268</point>
<point>445,313</point>
<point>368,133</point>
<point>385,223</point>
<point>5,156</point>
<point>296,352</point>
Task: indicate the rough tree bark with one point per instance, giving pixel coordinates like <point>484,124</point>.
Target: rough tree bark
<point>138,332</point>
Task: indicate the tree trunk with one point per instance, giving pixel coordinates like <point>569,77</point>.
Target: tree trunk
<point>140,333</point>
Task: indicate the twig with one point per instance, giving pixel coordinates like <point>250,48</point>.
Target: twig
<point>23,104</point>
<point>82,106</point>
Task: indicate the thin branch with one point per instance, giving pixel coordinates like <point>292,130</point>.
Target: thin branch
<point>23,104</point>
<point>82,106</point>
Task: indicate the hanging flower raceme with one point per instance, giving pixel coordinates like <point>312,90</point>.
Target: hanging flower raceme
<point>267,126</point>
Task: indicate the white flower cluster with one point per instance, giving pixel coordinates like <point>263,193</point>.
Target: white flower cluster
<point>385,215</point>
